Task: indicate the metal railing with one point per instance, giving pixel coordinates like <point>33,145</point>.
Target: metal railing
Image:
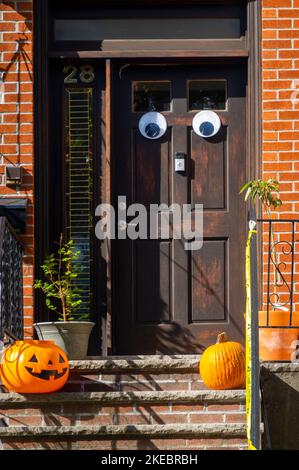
<point>282,247</point>
<point>11,283</point>
<point>279,254</point>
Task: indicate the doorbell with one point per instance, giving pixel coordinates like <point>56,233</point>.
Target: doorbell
<point>180,162</point>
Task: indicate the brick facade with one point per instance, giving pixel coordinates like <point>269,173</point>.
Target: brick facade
<point>16,123</point>
<point>280,105</point>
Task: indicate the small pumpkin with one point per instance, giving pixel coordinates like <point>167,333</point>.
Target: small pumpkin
<point>32,366</point>
<point>222,365</point>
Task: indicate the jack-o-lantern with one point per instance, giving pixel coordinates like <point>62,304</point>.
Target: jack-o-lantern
<point>32,366</point>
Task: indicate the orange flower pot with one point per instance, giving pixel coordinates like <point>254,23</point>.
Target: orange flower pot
<point>278,344</point>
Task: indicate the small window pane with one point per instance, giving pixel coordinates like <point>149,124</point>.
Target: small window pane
<point>146,28</point>
<point>207,94</point>
<point>151,96</point>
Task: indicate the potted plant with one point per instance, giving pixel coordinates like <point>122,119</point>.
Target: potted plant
<point>275,344</point>
<point>71,332</point>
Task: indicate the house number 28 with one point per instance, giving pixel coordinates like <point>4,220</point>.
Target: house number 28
<point>84,74</point>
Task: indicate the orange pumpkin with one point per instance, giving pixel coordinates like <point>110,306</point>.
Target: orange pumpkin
<point>34,367</point>
<point>222,366</point>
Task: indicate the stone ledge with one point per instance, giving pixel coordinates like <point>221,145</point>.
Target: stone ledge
<point>127,431</point>
<point>220,396</point>
<point>137,363</point>
<point>277,367</point>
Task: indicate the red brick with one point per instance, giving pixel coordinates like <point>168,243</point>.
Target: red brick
<point>289,135</point>
<point>235,418</point>
<point>277,146</point>
<point>269,13</point>
<point>269,54</point>
<point>199,418</point>
<point>289,33</point>
<point>25,421</point>
<point>270,95</point>
<point>270,34</point>
<point>7,26</point>
<point>288,13</point>
<point>270,75</point>
<point>279,44</point>
<point>276,24</point>
<point>223,407</point>
<point>13,16</point>
<point>289,54</point>
<point>278,105</point>
<point>277,3</point>
<point>277,64</point>
<point>278,125</point>
<point>277,84</point>
<point>98,420</point>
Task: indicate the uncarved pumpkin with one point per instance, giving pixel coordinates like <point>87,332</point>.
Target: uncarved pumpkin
<point>222,366</point>
<point>32,366</point>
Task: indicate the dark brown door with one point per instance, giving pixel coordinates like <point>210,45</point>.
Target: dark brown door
<point>167,299</point>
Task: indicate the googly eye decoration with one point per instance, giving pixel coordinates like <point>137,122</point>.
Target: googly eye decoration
<point>206,124</point>
<point>152,125</point>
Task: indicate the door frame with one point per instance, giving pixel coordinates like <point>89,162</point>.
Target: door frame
<point>42,55</point>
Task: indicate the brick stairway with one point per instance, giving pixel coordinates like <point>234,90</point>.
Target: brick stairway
<point>150,402</point>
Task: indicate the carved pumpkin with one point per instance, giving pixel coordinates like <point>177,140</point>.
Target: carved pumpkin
<point>34,367</point>
<point>222,366</point>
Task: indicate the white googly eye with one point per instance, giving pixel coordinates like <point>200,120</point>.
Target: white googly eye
<point>152,125</point>
<point>206,124</point>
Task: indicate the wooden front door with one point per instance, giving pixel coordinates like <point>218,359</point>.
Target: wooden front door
<point>166,299</point>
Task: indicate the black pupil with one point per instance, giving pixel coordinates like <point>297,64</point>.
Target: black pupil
<point>152,130</point>
<point>206,128</point>
<point>33,359</point>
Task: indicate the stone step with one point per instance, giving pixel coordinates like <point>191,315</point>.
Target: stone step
<point>152,363</point>
<point>157,436</point>
<point>201,396</point>
<point>129,373</point>
<point>149,430</point>
<point>123,408</point>
<point>144,402</point>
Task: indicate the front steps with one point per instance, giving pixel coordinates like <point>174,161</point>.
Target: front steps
<point>151,402</point>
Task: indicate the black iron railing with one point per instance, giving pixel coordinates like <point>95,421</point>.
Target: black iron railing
<point>282,237</point>
<point>278,260</point>
<point>11,283</point>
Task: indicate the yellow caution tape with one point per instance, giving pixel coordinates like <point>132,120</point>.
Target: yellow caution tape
<point>248,333</point>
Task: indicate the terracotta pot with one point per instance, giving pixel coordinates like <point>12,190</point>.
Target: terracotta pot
<point>278,344</point>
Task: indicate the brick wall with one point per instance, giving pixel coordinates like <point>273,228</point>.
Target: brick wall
<point>280,62</point>
<point>16,121</point>
<point>280,159</point>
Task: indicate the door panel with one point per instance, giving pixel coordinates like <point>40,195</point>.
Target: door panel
<point>209,283</point>
<point>167,299</point>
<point>151,174</point>
<point>209,160</point>
<point>153,289</point>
